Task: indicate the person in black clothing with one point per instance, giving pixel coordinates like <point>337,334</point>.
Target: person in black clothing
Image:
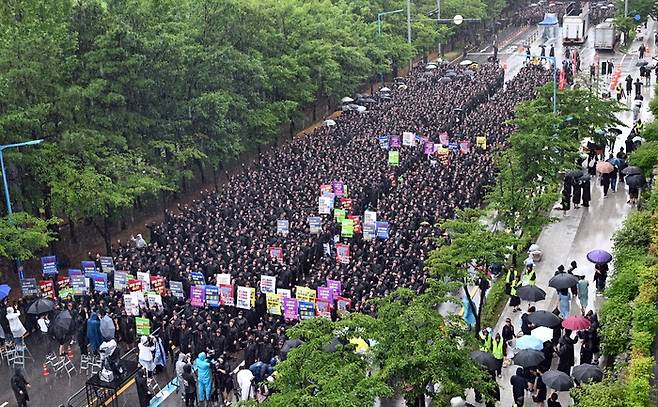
<point>552,402</point>
<point>638,87</point>
<point>519,385</point>
<point>566,353</point>
<point>19,385</point>
<point>143,392</point>
<point>507,334</point>
<point>189,384</point>
<point>629,85</point>
<point>540,388</point>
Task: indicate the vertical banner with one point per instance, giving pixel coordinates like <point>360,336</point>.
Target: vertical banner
<point>394,158</point>
<point>304,293</point>
<point>197,278</point>
<point>198,295</point>
<point>145,278</point>
<point>131,305</point>
<point>268,284</point>
<point>325,294</point>
<point>338,188</point>
<point>223,279</point>
<point>408,139</point>
<point>346,204</point>
<point>336,286</point>
<point>100,282</point>
<point>383,230</point>
<point>88,266</point>
<point>339,215</point>
<point>120,280</point>
<point>290,309</point>
<point>394,142</point>
<point>325,204</point>
<point>49,265</point>
<point>46,288</point>
<point>244,297</point>
<point>154,299</point>
<point>369,217</point>
<point>273,303</point>
<point>383,142</point>
<point>347,228</point>
<point>212,296</point>
<point>62,283</point>
<point>356,222</point>
<point>226,295</point>
<point>314,224</point>
<point>282,227</point>
<point>369,231</point>
<point>176,288</point>
<point>29,286</point>
<point>107,264</point>
<point>276,253</point>
<point>142,326</point>
<point>78,284</point>
<point>481,141</point>
<point>135,285</point>
<point>306,310</point>
<point>465,146</point>
<point>323,308</point>
<point>342,253</point>
<point>158,284</point>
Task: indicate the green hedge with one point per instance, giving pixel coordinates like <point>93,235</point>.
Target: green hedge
<point>616,324</point>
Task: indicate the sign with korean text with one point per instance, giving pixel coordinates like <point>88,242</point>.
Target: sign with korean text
<point>325,204</point>
<point>335,286</point>
<point>145,278</point>
<point>29,286</point>
<point>273,303</point>
<point>176,288</point>
<point>306,309</point>
<point>78,284</point>
<point>49,265</point>
<point>88,266</point>
<point>158,284</point>
<point>383,230</point>
<point>342,253</point>
<point>198,295</point>
<point>212,296</point>
<point>282,226</point>
<point>369,231</point>
<point>135,285</point>
<point>408,139</point>
<point>304,293</point>
<point>323,308</point>
<point>481,141</point>
<point>290,309</point>
<point>267,284</point>
<point>226,295</point>
<point>107,264</point>
<point>46,288</point>
<point>120,280</point>
<point>338,188</point>
<point>394,141</point>
<point>314,224</point>
<point>100,282</point>
<point>154,299</point>
<point>276,253</point>
<point>244,297</point>
<point>394,158</point>
<point>131,305</point>
<point>197,278</point>
<point>223,279</point>
<point>347,228</point>
<point>142,326</point>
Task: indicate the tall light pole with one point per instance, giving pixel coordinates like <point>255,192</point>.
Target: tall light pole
<point>409,31</point>
<point>379,28</point>
<point>625,8</point>
<point>438,17</point>
<point>4,147</point>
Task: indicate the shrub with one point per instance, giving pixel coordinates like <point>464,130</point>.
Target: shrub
<point>616,323</point>
<point>639,376</point>
<point>645,318</point>
<point>605,394</point>
<point>642,343</point>
<point>624,286</point>
<point>634,236</point>
<point>496,299</point>
<point>645,157</point>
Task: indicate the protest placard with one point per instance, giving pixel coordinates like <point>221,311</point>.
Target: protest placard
<point>176,288</point>
<point>306,309</point>
<point>369,230</point>
<point>314,224</point>
<point>338,188</point>
<point>339,215</point>
<point>212,296</point>
<point>276,253</point>
<point>197,278</point>
<point>142,326</point>
<point>323,308</point>
<point>100,282</point>
<point>198,295</point>
<point>325,204</point>
<point>347,228</point>
<point>343,304</point>
<point>158,284</point>
<point>131,305</point>
<point>408,139</point>
<point>145,278</point>
<point>223,279</point>
<point>382,230</point>
<point>304,293</point>
<point>135,285</point>
<point>107,264</point>
<point>46,288</point>
<point>356,223</point>
<point>267,284</point>
<point>444,139</point>
<point>273,303</point>
<point>29,286</point>
<point>428,148</point>
<point>154,298</point>
<point>394,158</point>
<point>120,280</point>
<point>62,283</point>
<point>49,265</point>
<point>326,188</point>
<point>383,142</point>
<point>244,297</point>
<point>284,292</point>
<point>394,141</point>
<point>282,227</point>
<point>465,146</point>
<point>325,294</point>
<point>336,286</point>
<point>226,295</point>
<point>88,266</point>
<point>346,204</point>
<point>78,284</point>
<point>342,253</point>
<point>290,309</point>
<point>481,141</point>
<point>369,217</point>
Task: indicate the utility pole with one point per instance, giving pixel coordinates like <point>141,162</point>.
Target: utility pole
<point>438,16</point>
<point>625,8</point>
<point>409,31</point>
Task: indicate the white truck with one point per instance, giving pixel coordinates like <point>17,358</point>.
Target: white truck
<point>605,36</point>
<point>575,25</point>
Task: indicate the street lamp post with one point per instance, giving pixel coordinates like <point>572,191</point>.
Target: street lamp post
<point>553,61</point>
<point>4,147</point>
<point>379,28</point>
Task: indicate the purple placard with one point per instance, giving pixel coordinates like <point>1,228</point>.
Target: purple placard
<point>394,141</point>
<point>290,309</point>
<point>198,295</point>
<point>338,188</point>
<point>336,287</point>
<point>324,293</point>
<point>429,148</point>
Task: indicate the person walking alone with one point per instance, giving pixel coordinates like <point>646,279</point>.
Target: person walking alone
<point>19,385</point>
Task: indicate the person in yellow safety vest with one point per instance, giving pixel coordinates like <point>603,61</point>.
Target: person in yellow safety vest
<point>509,277</point>
<point>531,275</point>
<point>497,351</point>
<point>514,300</point>
<point>485,337</point>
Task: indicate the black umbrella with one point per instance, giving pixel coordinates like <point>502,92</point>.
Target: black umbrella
<point>333,344</point>
<point>289,345</point>
<point>528,358</point>
<point>574,174</point>
<point>41,306</point>
<point>586,372</point>
<point>563,281</point>
<point>544,318</point>
<point>61,325</point>
<point>486,359</point>
<point>557,380</point>
<point>531,293</point>
<point>632,170</point>
<point>615,130</point>
<point>635,181</point>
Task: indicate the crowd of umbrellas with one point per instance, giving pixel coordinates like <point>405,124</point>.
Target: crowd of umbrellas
<point>530,354</point>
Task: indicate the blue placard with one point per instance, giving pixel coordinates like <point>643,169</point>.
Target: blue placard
<point>306,310</point>
<point>453,146</point>
<point>100,282</point>
<point>197,278</point>
<point>212,295</point>
<point>88,266</point>
<point>383,142</point>
<point>382,230</point>
<point>49,265</point>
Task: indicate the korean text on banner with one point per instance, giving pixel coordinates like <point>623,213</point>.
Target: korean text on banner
<point>49,265</point>
<point>342,253</point>
<point>223,279</point>
<point>394,141</point>
<point>481,141</point>
<point>339,215</point>
<point>226,295</point>
<point>88,266</point>
<point>339,188</point>
<point>198,295</point>
<point>197,278</point>
<point>428,148</point>
<point>325,294</point>
<point>408,139</point>
<point>142,326</point>
<point>306,309</point>
<point>344,304</point>
<point>347,228</point>
<point>154,298</point>
<point>383,230</point>
<point>268,284</point>
<point>244,297</point>
<point>282,226</point>
<point>100,282</point>
<point>135,285</point>
<point>357,223</point>
<point>383,142</point>
<point>369,217</point>
<point>131,305</point>
<point>323,308</point>
<point>273,303</point>
<point>158,284</point>
<point>369,231</point>
<point>47,289</point>
<point>78,284</point>
<point>304,293</point>
<point>326,188</point>
<point>276,253</point>
<point>314,224</point>
<point>465,147</point>
<point>29,286</point>
<point>145,278</point>
<point>212,296</point>
<point>107,264</point>
<point>443,138</point>
<point>394,158</point>
<point>176,288</point>
<point>325,204</point>
<point>284,292</point>
<point>336,286</point>
<point>290,309</point>
<point>120,280</point>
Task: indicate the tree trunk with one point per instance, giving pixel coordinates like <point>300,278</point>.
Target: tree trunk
<point>72,234</point>
<point>315,110</point>
<point>48,213</point>
<point>199,165</point>
<point>163,194</point>
<point>107,235</point>
<point>214,178</point>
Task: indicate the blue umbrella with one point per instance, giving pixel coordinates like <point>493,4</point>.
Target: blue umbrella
<point>615,161</point>
<point>529,342</point>
<point>599,256</point>
<point>4,291</point>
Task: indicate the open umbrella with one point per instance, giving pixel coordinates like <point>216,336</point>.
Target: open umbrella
<point>542,333</point>
<point>466,62</point>
<point>632,170</point>
<point>599,256</point>
<point>563,281</point>
<point>329,122</point>
<point>529,342</point>
<point>636,181</point>
<point>604,167</point>
<point>430,67</point>
<point>576,323</point>
<point>531,293</point>
<point>528,358</point>
<point>638,138</point>
<point>41,306</point>
<point>445,79</point>
<point>486,359</point>
<point>586,372</point>
<point>289,345</point>
<point>574,174</point>
<point>62,324</point>
<point>615,161</point>
<point>385,89</point>
<point>544,318</point>
<point>614,130</point>
<point>4,291</point>
<point>332,345</point>
<point>346,99</point>
<point>557,380</point>
<point>641,63</point>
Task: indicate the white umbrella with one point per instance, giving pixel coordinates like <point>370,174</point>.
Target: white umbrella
<point>402,87</point>
<point>638,138</point>
<point>361,109</point>
<point>329,123</point>
<point>346,99</point>
<point>430,67</point>
<point>466,62</point>
<point>542,333</point>
<point>384,89</point>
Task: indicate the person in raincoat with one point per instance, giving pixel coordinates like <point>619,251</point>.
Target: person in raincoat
<point>94,336</point>
<point>583,293</point>
<point>106,326</point>
<point>15,324</point>
<point>146,349</point>
<point>468,316</point>
<point>183,359</point>
<point>19,385</point>
<point>204,377</point>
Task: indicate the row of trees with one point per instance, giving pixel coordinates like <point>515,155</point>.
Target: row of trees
<point>131,96</point>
